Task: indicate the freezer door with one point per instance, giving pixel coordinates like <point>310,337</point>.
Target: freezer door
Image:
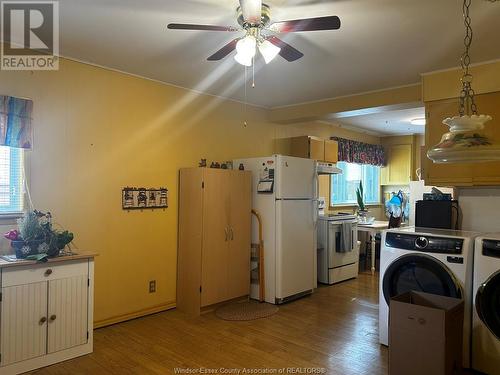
<point>296,178</point>
<point>295,247</point>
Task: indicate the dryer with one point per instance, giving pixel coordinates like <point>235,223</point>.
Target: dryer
<point>486,306</point>
<point>429,260</point>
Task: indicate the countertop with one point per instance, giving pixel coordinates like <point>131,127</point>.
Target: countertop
<point>65,258</point>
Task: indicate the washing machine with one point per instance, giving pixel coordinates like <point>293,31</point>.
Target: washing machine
<point>428,260</point>
<point>486,306</point>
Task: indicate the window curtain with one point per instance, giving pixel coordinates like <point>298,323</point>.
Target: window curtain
<point>15,122</point>
<point>360,153</point>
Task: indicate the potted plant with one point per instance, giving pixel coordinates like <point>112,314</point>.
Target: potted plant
<point>362,211</point>
<point>35,235</point>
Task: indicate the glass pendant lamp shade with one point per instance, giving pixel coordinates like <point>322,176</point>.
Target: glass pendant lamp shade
<point>268,50</point>
<point>466,141</point>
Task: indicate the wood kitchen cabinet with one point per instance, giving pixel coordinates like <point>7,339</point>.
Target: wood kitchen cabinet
<point>460,174</point>
<point>399,167</point>
<point>214,237</point>
<point>46,313</point>
<point>310,147</point>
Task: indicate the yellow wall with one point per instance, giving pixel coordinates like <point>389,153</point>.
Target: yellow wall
<point>97,131</point>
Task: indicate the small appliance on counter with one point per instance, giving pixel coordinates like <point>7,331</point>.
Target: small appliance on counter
<point>338,250</point>
<point>440,214</point>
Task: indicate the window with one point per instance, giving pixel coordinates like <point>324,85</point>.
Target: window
<point>343,186</point>
<point>11,180</point>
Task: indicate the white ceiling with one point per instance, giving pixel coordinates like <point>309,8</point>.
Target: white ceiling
<point>385,123</point>
<point>382,43</point>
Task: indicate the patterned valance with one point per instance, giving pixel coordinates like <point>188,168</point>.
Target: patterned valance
<point>15,122</point>
<point>359,152</point>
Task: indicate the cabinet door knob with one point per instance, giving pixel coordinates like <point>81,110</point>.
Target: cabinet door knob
<point>48,272</point>
<point>43,319</point>
<point>53,317</point>
<point>226,233</point>
<point>232,234</point>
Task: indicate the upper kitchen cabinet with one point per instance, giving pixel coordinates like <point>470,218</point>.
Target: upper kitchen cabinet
<point>401,160</point>
<point>461,174</point>
<point>331,151</point>
<point>310,147</point>
<point>398,169</point>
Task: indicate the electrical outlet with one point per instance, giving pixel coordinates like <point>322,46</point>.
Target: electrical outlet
<point>152,286</point>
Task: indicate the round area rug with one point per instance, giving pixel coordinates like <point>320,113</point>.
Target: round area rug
<point>250,310</point>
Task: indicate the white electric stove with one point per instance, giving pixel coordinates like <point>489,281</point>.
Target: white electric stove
<point>337,262</point>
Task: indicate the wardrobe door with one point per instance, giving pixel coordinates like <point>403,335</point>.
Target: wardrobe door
<point>214,269</point>
<point>238,274</point>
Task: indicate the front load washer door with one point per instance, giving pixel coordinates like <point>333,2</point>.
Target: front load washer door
<point>422,273</point>
<point>488,304</point>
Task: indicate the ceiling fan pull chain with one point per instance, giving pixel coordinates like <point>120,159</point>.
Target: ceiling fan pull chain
<point>253,72</point>
<point>245,103</point>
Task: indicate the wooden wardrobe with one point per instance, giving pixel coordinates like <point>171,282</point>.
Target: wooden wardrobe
<point>213,262</point>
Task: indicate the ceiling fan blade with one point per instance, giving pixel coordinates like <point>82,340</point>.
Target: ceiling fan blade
<point>307,24</point>
<point>287,51</point>
<point>187,26</point>
<point>252,11</point>
<point>224,51</point>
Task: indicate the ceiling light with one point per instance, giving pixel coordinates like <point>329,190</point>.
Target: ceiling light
<point>243,60</point>
<point>418,121</point>
<point>246,49</point>
<point>268,50</point>
<point>465,142</point>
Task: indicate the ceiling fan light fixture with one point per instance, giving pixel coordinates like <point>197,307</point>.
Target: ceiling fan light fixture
<point>243,60</point>
<point>268,51</point>
<point>247,46</point>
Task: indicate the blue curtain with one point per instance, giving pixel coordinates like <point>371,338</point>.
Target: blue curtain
<point>15,122</point>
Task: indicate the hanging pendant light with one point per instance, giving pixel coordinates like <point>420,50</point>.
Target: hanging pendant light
<point>466,141</point>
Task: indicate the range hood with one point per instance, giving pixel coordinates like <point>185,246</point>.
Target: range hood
<point>324,168</point>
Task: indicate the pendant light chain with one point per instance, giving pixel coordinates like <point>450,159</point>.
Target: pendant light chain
<point>467,102</point>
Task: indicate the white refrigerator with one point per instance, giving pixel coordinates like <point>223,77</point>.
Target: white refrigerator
<point>285,195</point>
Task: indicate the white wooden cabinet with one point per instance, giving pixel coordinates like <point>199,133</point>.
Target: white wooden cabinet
<point>46,313</point>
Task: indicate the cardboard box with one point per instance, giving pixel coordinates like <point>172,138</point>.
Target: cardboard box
<point>425,334</point>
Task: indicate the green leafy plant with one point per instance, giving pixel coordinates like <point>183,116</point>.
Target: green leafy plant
<point>359,196</point>
<point>29,227</point>
<point>37,226</point>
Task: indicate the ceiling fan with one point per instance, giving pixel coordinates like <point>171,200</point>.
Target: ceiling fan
<point>254,19</point>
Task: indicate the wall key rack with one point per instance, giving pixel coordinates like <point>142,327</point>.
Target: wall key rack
<point>142,198</point>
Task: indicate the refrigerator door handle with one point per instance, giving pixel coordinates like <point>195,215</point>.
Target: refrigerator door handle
<point>316,185</point>
<point>315,207</point>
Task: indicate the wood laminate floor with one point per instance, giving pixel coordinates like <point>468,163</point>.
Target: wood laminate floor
<point>335,329</point>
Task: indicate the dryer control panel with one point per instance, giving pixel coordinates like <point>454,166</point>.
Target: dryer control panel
<point>491,248</point>
<point>424,243</point>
